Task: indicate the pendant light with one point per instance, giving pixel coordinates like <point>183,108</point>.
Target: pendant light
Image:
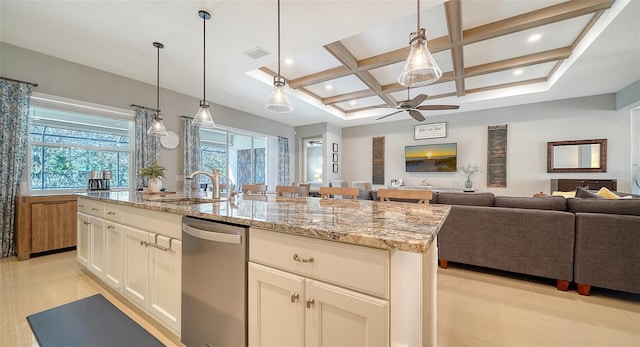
<point>157,127</point>
<point>420,68</point>
<point>278,101</point>
<point>203,118</point>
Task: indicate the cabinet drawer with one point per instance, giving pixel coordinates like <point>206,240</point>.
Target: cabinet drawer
<point>162,223</point>
<point>94,208</point>
<point>113,213</point>
<point>360,268</point>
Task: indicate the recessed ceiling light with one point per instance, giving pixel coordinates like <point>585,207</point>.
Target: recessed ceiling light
<point>534,38</point>
<point>518,72</point>
<point>288,61</point>
<point>352,103</point>
<point>328,87</point>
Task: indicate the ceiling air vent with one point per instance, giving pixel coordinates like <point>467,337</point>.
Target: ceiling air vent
<point>257,53</point>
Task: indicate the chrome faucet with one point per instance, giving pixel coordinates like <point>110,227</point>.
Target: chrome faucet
<point>214,182</point>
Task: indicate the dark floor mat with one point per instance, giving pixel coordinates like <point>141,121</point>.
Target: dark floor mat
<point>92,321</point>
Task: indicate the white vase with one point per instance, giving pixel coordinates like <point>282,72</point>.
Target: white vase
<point>154,185</point>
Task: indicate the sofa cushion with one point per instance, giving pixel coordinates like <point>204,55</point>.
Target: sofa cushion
<point>555,203</point>
<point>465,199</point>
<point>586,194</point>
<point>607,194</point>
<point>620,206</point>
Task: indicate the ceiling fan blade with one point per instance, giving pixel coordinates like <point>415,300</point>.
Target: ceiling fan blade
<point>390,114</point>
<point>418,100</point>
<point>438,107</point>
<point>416,115</point>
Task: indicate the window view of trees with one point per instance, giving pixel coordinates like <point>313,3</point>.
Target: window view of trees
<point>65,148</point>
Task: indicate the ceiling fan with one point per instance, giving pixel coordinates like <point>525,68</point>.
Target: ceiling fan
<point>413,107</point>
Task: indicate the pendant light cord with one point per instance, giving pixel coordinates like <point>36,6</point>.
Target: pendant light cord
<point>158,83</point>
<point>279,38</point>
<point>204,58</point>
<point>418,15</point>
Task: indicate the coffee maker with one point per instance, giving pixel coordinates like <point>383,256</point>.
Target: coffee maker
<point>106,179</point>
<point>95,180</point>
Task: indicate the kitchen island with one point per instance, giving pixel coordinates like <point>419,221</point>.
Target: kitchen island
<point>401,235</point>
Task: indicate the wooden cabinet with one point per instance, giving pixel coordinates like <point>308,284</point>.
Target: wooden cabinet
<point>569,184</point>
<point>117,244</point>
<point>44,223</point>
<point>296,308</point>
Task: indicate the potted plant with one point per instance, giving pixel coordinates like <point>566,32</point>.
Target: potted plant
<point>153,173</point>
<point>469,170</point>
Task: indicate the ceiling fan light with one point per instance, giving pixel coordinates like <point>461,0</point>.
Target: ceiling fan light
<point>420,68</point>
<point>157,127</point>
<point>278,101</point>
<point>203,118</point>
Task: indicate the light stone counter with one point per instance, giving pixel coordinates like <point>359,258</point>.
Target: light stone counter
<point>388,225</point>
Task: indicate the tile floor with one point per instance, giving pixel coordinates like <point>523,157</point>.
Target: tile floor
<point>476,307</point>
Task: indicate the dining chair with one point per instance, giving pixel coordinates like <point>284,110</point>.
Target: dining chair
<point>422,196</point>
<point>327,192</point>
<point>254,189</point>
<point>291,191</point>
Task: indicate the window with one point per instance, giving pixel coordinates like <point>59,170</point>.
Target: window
<point>243,158</point>
<point>65,145</point>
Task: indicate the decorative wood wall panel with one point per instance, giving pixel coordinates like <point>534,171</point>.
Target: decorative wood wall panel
<point>378,160</point>
<point>497,156</point>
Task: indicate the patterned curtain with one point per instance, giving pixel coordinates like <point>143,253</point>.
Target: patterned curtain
<point>191,150</point>
<point>284,173</point>
<point>14,124</point>
<point>147,147</point>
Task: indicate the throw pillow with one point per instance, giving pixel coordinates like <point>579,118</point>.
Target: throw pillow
<point>571,194</point>
<point>586,194</point>
<point>607,194</point>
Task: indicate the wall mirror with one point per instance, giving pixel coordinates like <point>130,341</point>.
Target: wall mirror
<point>577,156</point>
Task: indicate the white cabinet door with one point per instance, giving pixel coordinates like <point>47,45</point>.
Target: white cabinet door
<point>341,317</point>
<point>165,275</point>
<point>113,251</point>
<point>276,307</point>
<point>84,225</point>
<point>135,275</point>
<point>96,244</point>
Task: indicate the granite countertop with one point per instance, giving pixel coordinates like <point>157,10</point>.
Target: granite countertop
<point>388,225</point>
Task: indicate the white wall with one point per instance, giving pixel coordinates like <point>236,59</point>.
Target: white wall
<point>66,79</point>
<point>530,127</point>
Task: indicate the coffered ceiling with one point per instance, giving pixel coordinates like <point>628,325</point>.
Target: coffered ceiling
<point>342,59</point>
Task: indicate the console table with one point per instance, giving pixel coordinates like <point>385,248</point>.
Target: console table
<point>569,184</point>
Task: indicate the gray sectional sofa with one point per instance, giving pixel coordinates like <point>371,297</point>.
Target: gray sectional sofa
<point>587,241</point>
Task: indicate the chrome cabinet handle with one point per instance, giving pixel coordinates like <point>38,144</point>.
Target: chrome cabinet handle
<point>110,227</point>
<point>310,303</point>
<point>302,260</point>
<point>154,245</point>
<point>80,205</point>
<point>111,213</point>
<point>86,223</point>
<point>94,209</point>
<point>295,297</point>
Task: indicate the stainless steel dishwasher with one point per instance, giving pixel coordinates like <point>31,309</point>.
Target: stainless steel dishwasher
<point>214,284</point>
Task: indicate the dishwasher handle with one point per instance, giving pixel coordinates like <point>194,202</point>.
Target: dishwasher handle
<point>212,235</point>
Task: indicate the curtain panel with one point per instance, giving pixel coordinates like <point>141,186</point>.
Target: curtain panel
<point>284,172</point>
<point>147,146</point>
<point>14,125</point>
<point>191,151</point>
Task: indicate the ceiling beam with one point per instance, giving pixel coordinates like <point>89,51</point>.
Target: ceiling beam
<point>320,77</point>
<point>544,16</point>
<point>436,45</point>
<point>531,59</point>
<point>507,85</point>
<point>453,13</point>
<point>348,97</point>
<point>345,57</point>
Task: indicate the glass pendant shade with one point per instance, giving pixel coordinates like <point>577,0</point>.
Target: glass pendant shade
<point>203,118</point>
<point>420,68</point>
<point>278,101</point>
<point>157,127</point>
